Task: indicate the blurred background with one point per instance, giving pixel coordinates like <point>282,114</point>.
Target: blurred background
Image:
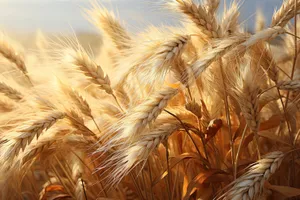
<point>25,17</point>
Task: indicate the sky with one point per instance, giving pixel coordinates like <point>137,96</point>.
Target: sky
<point>67,15</point>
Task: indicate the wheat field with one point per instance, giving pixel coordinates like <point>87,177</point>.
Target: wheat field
<point>202,110</point>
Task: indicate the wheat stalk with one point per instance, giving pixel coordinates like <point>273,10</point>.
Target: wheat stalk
<point>250,185</point>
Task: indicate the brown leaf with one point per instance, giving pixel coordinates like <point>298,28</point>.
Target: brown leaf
<point>273,122</point>
<point>273,137</point>
<point>201,178</point>
<point>54,192</point>
<point>284,190</point>
<point>175,160</point>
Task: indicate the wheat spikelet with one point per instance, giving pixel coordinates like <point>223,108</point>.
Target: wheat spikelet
<point>77,122</point>
<point>164,56</point>
<point>212,6</point>
<point>194,108</point>
<point>6,105</point>
<point>10,92</point>
<point>7,51</point>
<point>79,191</point>
<point>90,69</point>
<point>260,21</point>
<point>291,85</point>
<point>250,185</point>
<point>24,134</point>
<point>204,20</point>
<point>262,52</point>
<point>229,23</point>
<point>107,23</point>
<point>285,13</point>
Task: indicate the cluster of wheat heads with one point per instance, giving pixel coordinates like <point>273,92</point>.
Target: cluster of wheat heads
<point>203,110</point>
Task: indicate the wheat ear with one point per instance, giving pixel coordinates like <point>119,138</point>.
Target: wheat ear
<point>222,47</point>
<point>138,152</point>
<point>79,101</point>
<point>77,122</point>
<point>24,134</point>
<point>165,55</point>
<point>212,6</point>
<point>250,185</point>
<point>230,19</point>
<point>7,51</point>
<point>107,23</point>
<point>10,92</point>
<point>285,13</point>
<point>89,68</point>
<point>135,121</point>
<point>194,108</point>
<point>260,21</point>
<point>204,20</point>
<point>291,85</point>
<point>6,105</point>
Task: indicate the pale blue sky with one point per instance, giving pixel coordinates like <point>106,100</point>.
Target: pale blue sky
<point>65,15</point>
